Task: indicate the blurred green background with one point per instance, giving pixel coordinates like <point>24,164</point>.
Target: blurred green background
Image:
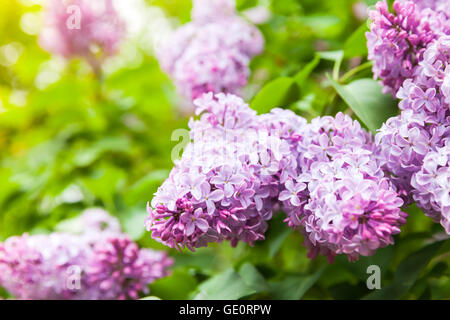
<point>70,141</point>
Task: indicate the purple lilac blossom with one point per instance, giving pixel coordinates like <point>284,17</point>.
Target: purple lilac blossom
<point>225,186</point>
<point>205,11</point>
<point>338,197</point>
<point>36,267</point>
<point>401,36</point>
<point>419,35</point>
<point>241,167</point>
<point>212,52</point>
<point>104,262</point>
<point>97,220</point>
<point>436,5</point>
<point>428,93</point>
<point>93,30</point>
<point>423,126</point>
<point>403,142</point>
<point>432,186</point>
<point>118,269</point>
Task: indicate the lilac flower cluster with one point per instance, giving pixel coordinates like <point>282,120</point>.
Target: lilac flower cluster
<point>339,197</point>
<point>440,6</point>
<point>407,142</point>
<point>88,29</point>
<point>403,142</point>
<point>423,125</point>
<point>118,269</point>
<point>212,52</point>
<point>37,267</point>
<point>99,263</point>
<point>223,187</point>
<point>428,93</point>
<point>432,185</point>
<point>241,167</point>
<point>205,11</point>
<point>396,41</point>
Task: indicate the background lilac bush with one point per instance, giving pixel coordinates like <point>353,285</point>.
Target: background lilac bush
<point>308,137</point>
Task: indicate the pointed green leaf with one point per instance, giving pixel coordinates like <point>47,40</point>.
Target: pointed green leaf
<point>304,73</point>
<point>365,98</point>
<point>294,287</point>
<point>337,57</point>
<point>276,94</point>
<point>407,273</point>
<point>253,278</point>
<point>228,285</point>
<point>356,43</point>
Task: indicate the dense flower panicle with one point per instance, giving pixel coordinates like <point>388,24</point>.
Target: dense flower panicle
<point>432,186</point>
<point>437,5</point>
<point>340,199</point>
<point>82,28</point>
<point>241,167</point>
<point>418,34</point>
<point>210,67</point>
<point>403,142</point>
<point>100,263</point>
<point>97,220</point>
<point>118,269</point>
<point>36,267</point>
<point>225,186</point>
<point>428,92</point>
<point>213,52</point>
<point>422,128</point>
<point>205,11</point>
<point>350,214</point>
<point>396,41</point>
<point>425,105</point>
<point>172,49</point>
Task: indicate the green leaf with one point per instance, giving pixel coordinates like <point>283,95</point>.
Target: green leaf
<point>276,235</point>
<point>348,291</point>
<point>104,183</point>
<point>228,285</point>
<point>203,260</point>
<point>150,298</point>
<point>337,57</point>
<point>277,93</point>
<point>407,273</point>
<point>322,25</point>
<point>177,286</point>
<point>294,287</point>
<point>143,189</point>
<point>381,258</point>
<point>4,294</point>
<point>365,98</point>
<point>87,156</point>
<point>356,43</point>
<point>370,2</point>
<point>303,74</point>
<point>133,221</point>
<point>253,278</point>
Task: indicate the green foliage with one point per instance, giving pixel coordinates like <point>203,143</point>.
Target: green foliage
<point>355,45</point>
<point>294,287</point>
<point>175,287</point>
<point>365,98</point>
<point>228,285</point>
<point>407,273</point>
<point>277,93</point>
